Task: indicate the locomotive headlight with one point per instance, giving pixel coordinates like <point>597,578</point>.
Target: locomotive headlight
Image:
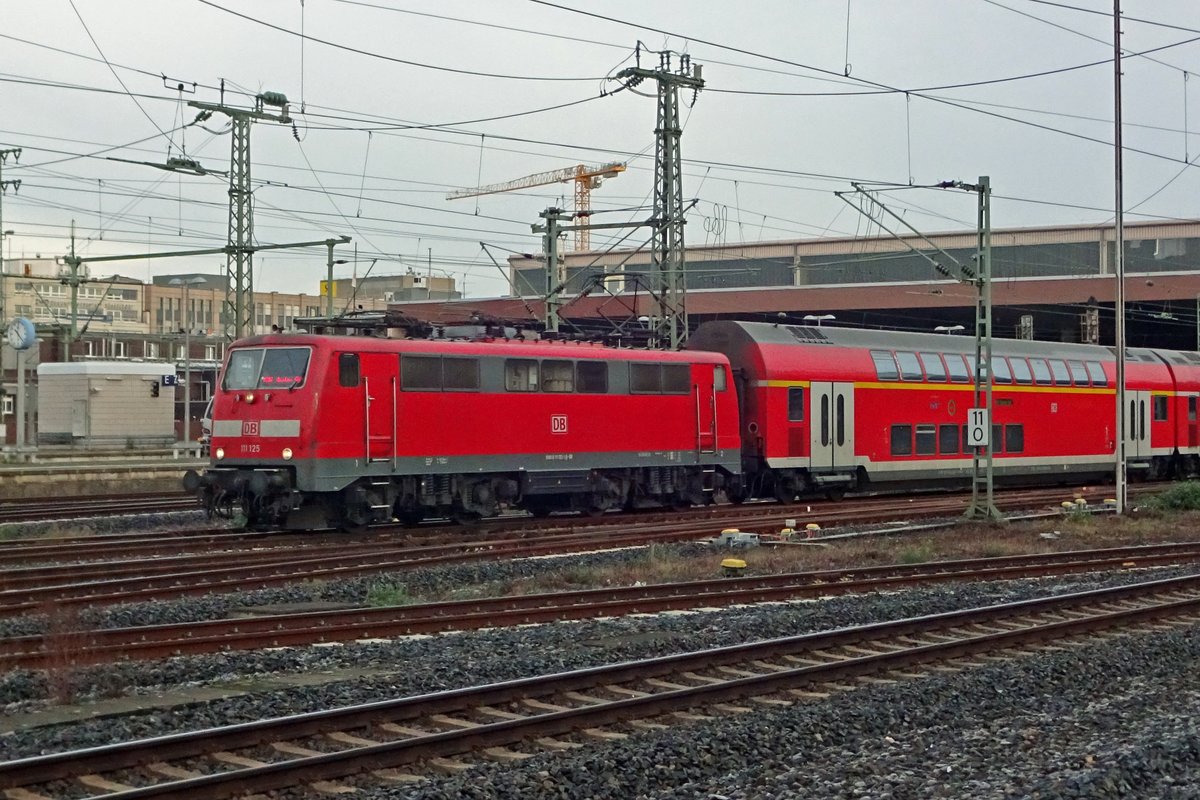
<point>249,397</point>
<point>220,452</point>
<point>287,454</point>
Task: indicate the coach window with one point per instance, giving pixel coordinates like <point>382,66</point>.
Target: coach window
<point>1078,373</point>
<point>348,369</point>
<point>796,404</point>
<point>1059,368</point>
<point>420,373</point>
<point>926,440</point>
<point>997,436</point>
<point>460,374</point>
<point>885,365</point>
<point>1020,370</point>
<point>676,378</point>
<point>520,375</point>
<point>1191,409</point>
<point>1000,370</point>
<point>557,376</point>
<point>935,370</point>
<point>1014,438</point>
<point>1097,372</point>
<point>1160,408</point>
<point>957,367</point>
<point>592,377</point>
<point>948,440</point>
<point>910,367</point>
<point>902,440</point>
<point>1041,372</point>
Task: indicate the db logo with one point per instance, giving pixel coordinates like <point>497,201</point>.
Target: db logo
<point>558,423</point>
<point>250,428</point>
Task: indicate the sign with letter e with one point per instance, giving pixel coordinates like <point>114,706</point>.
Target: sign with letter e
<point>979,432</point>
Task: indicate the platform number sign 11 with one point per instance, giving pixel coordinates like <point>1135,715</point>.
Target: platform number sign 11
<point>978,430</point>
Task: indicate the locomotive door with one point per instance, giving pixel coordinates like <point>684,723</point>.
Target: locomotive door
<point>1137,424</point>
<point>831,430</point>
<point>706,410</point>
<point>379,405</point>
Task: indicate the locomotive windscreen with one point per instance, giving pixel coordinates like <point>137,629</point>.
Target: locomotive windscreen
<point>266,367</point>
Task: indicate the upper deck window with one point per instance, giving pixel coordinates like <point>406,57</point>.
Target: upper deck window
<point>910,368</point>
<point>266,368</point>
<point>958,368</point>
<point>885,365</point>
<point>934,369</point>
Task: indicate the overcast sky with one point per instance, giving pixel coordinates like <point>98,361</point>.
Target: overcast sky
<point>1037,120</point>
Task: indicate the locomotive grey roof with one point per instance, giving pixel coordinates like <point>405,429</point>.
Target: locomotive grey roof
<point>726,334</point>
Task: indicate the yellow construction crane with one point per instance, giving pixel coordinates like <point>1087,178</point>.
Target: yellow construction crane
<point>586,178</point>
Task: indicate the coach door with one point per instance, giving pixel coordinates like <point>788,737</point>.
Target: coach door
<point>379,405</point>
<point>1137,424</point>
<point>831,430</point>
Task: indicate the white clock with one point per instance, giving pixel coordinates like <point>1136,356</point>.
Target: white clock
<point>21,334</point>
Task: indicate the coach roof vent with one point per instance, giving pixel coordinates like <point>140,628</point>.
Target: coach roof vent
<point>808,335</point>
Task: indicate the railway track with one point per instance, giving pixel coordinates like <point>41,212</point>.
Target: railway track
<point>62,508</point>
<point>74,648</point>
<point>402,740</point>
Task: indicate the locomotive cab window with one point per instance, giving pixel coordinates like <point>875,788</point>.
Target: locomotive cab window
<point>266,368</point>
<point>1160,408</point>
<point>902,440</point>
<point>885,365</point>
<point>591,377</point>
<point>520,375</point>
<point>348,369</point>
<point>557,376</point>
<point>796,404</point>
<point>934,369</point>
<point>910,367</point>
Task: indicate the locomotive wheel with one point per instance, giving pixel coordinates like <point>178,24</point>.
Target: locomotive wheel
<point>411,518</point>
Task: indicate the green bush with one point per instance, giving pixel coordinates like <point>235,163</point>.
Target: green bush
<point>388,594</point>
<point>915,555</point>
<point>1183,496</point>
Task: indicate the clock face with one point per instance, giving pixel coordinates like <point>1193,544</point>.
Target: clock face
<point>20,334</point>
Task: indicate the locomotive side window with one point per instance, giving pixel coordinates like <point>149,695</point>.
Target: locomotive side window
<point>948,440</point>
<point>645,378</point>
<point>885,365</point>
<point>934,369</point>
<point>1041,372</point>
<point>557,376</point>
<point>958,368</point>
<point>1078,373</point>
<point>910,367</point>
<point>592,377</point>
<point>242,372</point>
<point>720,379</point>
<point>520,375</point>
<point>460,374</point>
<point>420,373</point>
<point>926,440</point>
<point>1160,408</point>
<point>1014,438</point>
<point>902,440</point>
<point>1020,370</point>
<point>796,404</point>
<point>1059,368</point>
<point>348,369</point>
<point>677,378</point>
<point>1097,372</point>
<point>1000,373</point>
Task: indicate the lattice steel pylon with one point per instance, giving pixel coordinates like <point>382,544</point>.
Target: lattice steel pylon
<point>667,255</point>
<point>238,316</point>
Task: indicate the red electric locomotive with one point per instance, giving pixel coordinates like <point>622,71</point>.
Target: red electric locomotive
<point>830,409</point>
<point>315,430</point>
